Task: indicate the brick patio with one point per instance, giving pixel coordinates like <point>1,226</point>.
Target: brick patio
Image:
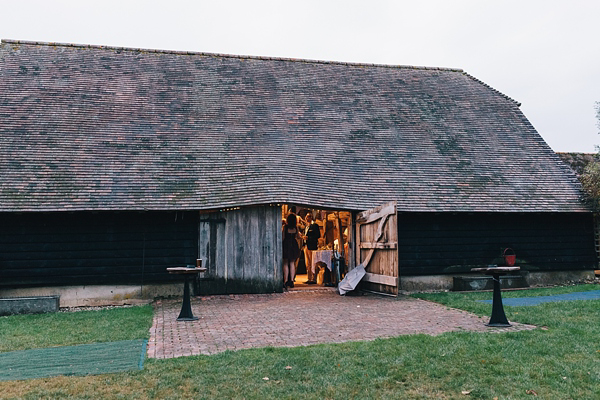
<point>299,318</point>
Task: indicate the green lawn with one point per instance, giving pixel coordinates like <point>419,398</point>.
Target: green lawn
<point>22,332</point>
<point>560,361</point>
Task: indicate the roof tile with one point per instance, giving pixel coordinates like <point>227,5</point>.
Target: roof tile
<point>103,128</point>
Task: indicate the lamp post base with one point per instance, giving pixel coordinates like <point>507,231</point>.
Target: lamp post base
<point>498,318</point>
<point>186,307</point>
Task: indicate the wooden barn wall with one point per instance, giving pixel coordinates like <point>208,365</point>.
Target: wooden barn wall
<point>241,250</point>
<point>438,243</point>
<point>82,248</point>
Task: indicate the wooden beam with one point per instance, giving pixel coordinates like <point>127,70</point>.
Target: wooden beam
<point>379,245</point>
<point>382,223</point>
<point>340,234</point>
<point>381,279</point>
<point>367,259</point>
<point>369,216</point>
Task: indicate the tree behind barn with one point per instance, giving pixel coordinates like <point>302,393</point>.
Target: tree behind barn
<point>590,179</point>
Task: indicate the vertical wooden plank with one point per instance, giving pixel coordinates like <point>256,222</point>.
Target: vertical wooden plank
<point>230,238</point>
<point>257,223</point>
<point>260,227</point>
<point>268,246</point>
<point>352,263</point>
<point>276,262</point>
<point>394,238</point>
<point>241,259</point>
<point>237,269</point>
<point>252,242</point>
<point>220,259</point>
<point>397,252</point>
<point>204,244</point>
<point>357,242</point>
<point>245,262</point>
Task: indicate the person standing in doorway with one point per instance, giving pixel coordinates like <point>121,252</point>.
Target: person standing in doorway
<point>291,250</point>
<point>312,233</point>
<point>300,226</point>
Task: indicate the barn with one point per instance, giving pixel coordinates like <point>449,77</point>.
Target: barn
<point>116,163</point>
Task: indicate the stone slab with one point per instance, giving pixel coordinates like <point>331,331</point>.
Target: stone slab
<point>29,305</point>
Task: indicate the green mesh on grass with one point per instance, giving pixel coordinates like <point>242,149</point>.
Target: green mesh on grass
<point>85,359</point>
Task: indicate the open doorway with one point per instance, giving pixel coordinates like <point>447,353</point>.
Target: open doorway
<point>324,244</point>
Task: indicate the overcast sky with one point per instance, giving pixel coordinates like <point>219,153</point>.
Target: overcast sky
<point>543,53</point>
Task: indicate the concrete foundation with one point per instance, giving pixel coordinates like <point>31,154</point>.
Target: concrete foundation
<point>558,277</point>
<point>423,283</point>
<point>99,295</point>
<point>469,283</point>
<point>446,282</point>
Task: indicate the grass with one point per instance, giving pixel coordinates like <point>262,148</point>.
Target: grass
<point>560,361</point>
<point>468,300</point>
<point>22,332</point>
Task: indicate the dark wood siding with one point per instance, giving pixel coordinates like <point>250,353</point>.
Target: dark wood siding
<point>444,243</point>
<point>95,248</point>
<point>241,250</point>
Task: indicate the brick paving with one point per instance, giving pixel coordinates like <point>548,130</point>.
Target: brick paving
<point>299,318</point>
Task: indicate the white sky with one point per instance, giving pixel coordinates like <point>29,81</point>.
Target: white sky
<point>543,53</point>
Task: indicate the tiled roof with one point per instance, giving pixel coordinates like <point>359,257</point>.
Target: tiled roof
<point>105,128</point>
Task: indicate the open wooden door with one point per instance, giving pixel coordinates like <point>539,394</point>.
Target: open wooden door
<point>377,248</point>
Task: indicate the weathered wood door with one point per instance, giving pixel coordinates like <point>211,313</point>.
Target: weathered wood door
<point>377,248</point>
<point>241,249</point>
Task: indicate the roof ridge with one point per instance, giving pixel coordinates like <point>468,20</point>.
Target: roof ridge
<point>199,53</point>
<point>491,88</point>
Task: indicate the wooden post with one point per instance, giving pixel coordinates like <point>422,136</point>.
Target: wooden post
<point>340,238</point>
